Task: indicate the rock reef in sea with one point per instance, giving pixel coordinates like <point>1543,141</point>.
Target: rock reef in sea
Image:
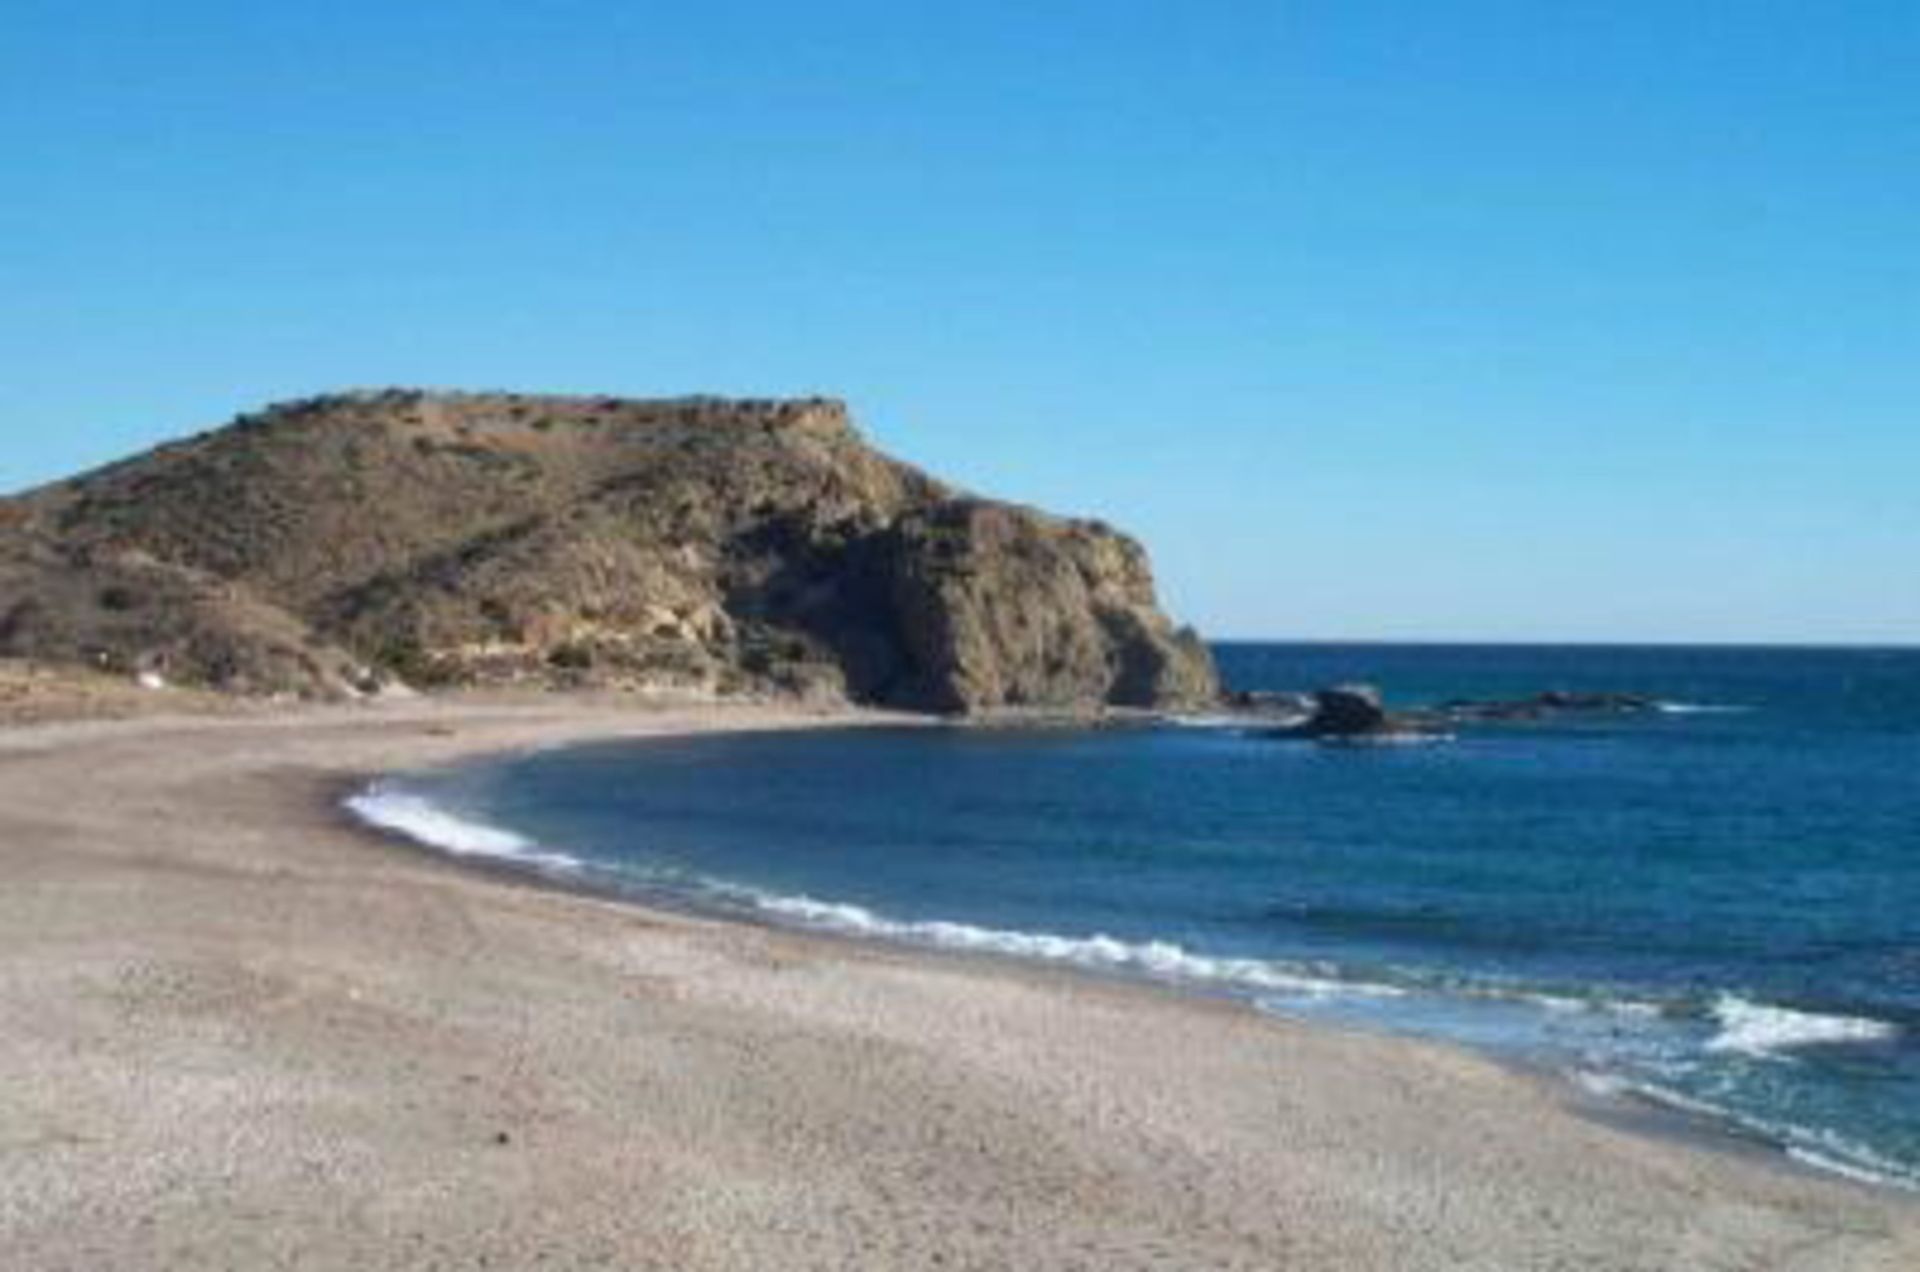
<point>1358,712</point>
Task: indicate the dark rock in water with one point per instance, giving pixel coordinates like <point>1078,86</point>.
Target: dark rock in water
<point>1559,700</point>
<point>1357,711</point>
<point>1552,702</point>
<point>1354,713</point>
<point>1347,709</point>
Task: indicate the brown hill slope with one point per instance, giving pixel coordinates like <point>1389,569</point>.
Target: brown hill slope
<point>322,546</point>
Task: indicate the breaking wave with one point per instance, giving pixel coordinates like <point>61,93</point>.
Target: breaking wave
<point>1233,723</point>
<point>1161,960</point>
<point>1757,1029</point>
<point>414,817</point>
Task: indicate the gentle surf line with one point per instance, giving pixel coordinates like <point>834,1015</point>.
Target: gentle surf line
<point>1160,960</point>
<point>429,824</point>
<point>424,822</point>
<point>1758,1030</point>
<point>1818,1149</point>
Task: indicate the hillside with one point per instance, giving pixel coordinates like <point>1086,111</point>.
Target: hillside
<point>329,546</point>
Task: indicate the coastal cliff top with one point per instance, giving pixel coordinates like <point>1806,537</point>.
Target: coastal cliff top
<point>340,544</point>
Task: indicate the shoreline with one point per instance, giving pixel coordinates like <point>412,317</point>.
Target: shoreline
<point>179,882</point>
<point>1630,1107</point>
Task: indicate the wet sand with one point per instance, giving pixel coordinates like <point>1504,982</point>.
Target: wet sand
<point>238,1033</point>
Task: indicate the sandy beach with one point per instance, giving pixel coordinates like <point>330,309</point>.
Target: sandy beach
<point>239,1033</point>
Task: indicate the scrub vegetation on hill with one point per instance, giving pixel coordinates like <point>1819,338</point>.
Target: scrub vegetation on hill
<point>340,544</point>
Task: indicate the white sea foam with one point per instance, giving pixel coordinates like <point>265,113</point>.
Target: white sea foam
<point>1699,708</point>
<point>1601,1004</point>
<point>425,822</point>
<point>1609,1086</point>
<point>1162,960</point>
<point>1821,1149</point>
<point>1758,1029</point>
<point>1470,990</point>
<point>1235,722</point>
<point>1853,1161</point>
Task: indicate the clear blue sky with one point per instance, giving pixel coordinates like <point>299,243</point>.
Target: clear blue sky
<point>1375,318</point>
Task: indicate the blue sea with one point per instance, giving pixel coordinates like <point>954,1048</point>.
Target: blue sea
<point>1715,906</point>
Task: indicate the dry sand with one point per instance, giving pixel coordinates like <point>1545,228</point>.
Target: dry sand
<point>235,1033</point>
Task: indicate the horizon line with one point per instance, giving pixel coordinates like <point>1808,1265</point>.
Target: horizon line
<point>1858,646</point>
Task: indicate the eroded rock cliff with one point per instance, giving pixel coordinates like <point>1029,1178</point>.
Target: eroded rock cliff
<point>326,546</point>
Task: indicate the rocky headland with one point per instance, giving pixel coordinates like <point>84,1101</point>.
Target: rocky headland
<point>359,543</point>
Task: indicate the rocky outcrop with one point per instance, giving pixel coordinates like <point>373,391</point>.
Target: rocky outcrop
<point>998,604</point>
<point>1553,702</point>
<point>325,546</point>
<point>1346,710</point>
<point>1357,712</point>
<point>1353,713</point>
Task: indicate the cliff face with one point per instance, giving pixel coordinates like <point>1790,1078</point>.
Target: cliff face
<point>321,547</point>
<point>998,604</point>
